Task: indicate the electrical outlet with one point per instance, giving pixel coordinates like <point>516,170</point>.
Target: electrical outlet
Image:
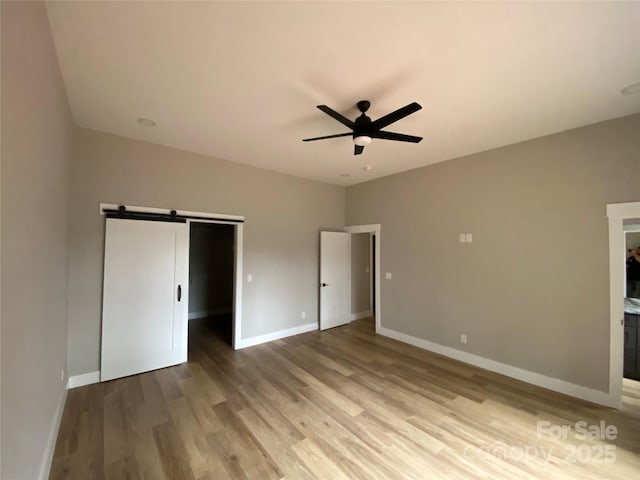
<point>303,315</point>
<point>388,275</point>
<point>463,338</point>
<point>249,277</point>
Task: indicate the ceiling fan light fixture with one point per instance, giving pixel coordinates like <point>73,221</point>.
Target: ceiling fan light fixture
<point>362,140</point>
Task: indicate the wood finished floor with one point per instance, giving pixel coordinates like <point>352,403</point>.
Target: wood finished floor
<point>340,404</point>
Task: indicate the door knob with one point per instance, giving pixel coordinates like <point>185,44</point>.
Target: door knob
<point>325,284</point>
<point>179,292</point>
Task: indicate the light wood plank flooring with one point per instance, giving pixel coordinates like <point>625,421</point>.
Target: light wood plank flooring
<point>340,404</point>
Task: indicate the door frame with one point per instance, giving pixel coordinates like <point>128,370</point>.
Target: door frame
<point>236,317</point>
<point>617,213</point>
<point>375,230</point>
<point>372,252</point>
<point>208,217</point>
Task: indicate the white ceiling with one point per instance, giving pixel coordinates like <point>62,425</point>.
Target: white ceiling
<point>240,80</point>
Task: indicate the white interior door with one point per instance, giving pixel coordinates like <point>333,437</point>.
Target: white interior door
<point>335,279</point>
<point>145,297</point>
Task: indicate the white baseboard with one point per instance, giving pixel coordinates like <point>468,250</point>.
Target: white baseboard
<point>359,315</point>
<point>550,383</point>
<point>209,313</point>
<point>84,379</point>
<point>45,467</point>
<point>270,337</point>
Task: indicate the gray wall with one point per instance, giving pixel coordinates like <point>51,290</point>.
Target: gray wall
<point>211,264</point>
<point>283,217</point>
<point>532,290</point>
<point>360,273</point>
<point>36,149</point>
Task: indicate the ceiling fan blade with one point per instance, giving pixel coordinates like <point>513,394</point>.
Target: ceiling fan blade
<point>328,136</point>
<point>395,116</point>
<point>400,137</point>
<point>342,119</point>
<point>358,149</point>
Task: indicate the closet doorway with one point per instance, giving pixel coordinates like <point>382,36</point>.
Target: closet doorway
<point>211,277</point>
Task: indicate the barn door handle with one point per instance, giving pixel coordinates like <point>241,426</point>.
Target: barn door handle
<point>179,292</point>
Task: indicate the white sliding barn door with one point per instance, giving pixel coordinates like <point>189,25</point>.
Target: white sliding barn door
<point>145,296</point>
<point>335,279</point>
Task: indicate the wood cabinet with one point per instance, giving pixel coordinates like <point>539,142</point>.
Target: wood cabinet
<point>632,346</point>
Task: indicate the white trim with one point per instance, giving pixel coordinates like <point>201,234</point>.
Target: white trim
<point>550,383</point>
<point>205,215</point>
<point>359,315</point>
<point>371,282</point>
<point>269,337</point>
<point>617,213</point>
<point>375,229</point>
<point>237,288</point>
<point>83,379</point>
<point>210,313</point>
<point>47,458</point>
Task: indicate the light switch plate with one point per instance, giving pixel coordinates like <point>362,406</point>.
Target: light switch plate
<point>388,275</point>
<point>469,238</point>
<point>249,277</point>
<point>463,238</point>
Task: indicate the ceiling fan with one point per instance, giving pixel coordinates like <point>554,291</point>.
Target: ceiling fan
<point>364,129</point>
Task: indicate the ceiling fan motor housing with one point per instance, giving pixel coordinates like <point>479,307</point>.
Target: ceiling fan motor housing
<point>363,121</point>
<point>362,125</point>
